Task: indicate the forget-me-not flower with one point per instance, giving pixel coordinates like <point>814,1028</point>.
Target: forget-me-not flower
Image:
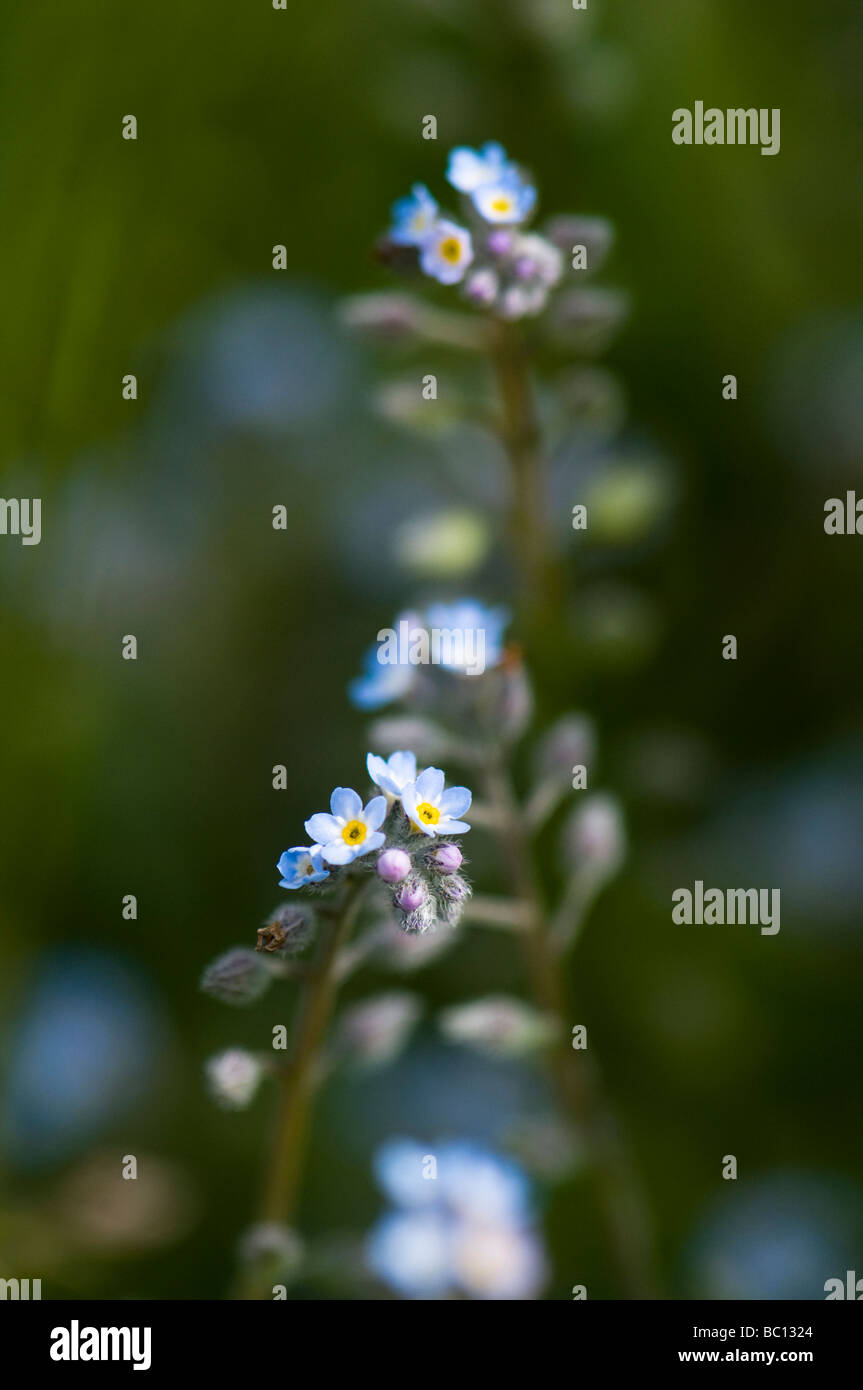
<point>508,199</point>
<point>469,615</point>
<point>351,829</point>
<point>392,774</point>
<point>433,810</point>
<point>469,169</point>
<point>461,1223</point>
<point>414,217</point>
<point>446,252</point>
<point>383,681</point>
<point>301,865</point>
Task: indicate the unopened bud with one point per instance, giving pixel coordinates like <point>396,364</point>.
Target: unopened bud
<point>627,499</point>
<point>447,858</point>
<point>455,892</point>
<point>482,286</point>
<point>498,1026</point>
<point>375,1031</point>
<point>411,896</point>
<point>289,929</point>
<point>595,234</point>
<point>595,837</point>
<point>388,317</point>
<point>238,977</point>
<point>276,1247</point>
<point>393,866</point>
<point>407,951</point>
<point>420,921</point>
<point>570,741</point>
<point>499,242</point>
<point>426,739</point>
<point>233,1077</point>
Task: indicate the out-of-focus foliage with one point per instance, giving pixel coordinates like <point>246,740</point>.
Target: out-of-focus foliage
<point>153,778</point>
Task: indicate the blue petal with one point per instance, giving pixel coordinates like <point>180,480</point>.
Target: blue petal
<point>455,801</point>
<point>345,803</point>
<point>375,812</point>
<point>322,827</point>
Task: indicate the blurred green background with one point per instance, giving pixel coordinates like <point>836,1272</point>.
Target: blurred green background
<point>258,127</point>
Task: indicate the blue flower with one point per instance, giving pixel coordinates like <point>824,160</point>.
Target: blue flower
<point>468,615</point>
<point>383,681</point>
<point>468,169</point>
<point>433,810</point>
<point>461,1223</point>
<point>507,199</point>
<point>414,217</point>
<point>351,829</point>
<point>446,252</point>
<point>301,865</point>
<point>393,774</point>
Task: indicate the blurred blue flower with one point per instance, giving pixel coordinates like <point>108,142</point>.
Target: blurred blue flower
<point>469,615</point>
<point>446,252</point>
<point>462,1223</point>
<point>83,1054</point>
<point>267,358</point>
<point>469,169</point>
<point>414,217</point>
<point>780,1237</point>
<point>383,682</point>
<point>508,199</point>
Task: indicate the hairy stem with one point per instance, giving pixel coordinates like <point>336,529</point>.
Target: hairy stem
<point>532,540</point>
<point>575,1076</point>
<point>299,1078</point>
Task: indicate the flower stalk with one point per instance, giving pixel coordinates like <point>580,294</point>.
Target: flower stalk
<point>576,1079</point>
<point>299,1078</point>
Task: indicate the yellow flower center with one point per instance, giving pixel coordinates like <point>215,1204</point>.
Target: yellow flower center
<point>428,814</point>
<point>354,832</point>
<point>501,204</point>
<point>450,249</point>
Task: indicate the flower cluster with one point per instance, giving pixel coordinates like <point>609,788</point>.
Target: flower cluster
<point>462,1224</point>
<point>414,808</point>
<point>500,266</point>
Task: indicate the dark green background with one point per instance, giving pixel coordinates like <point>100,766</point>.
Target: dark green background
<point>259,127</point>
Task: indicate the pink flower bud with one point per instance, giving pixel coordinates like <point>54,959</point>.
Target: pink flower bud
<point>393,865</point>
<point>500,243</point>
<point>447,859</point>
<point>411,896</point>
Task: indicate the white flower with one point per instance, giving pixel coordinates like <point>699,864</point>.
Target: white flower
<point>433,810</point>
<point>351,829</point>
<point>394,773</point>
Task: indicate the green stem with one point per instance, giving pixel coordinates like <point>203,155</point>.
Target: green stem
<point>299,1078</point>
<point>532,540</point>
<point>576,1077</point>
